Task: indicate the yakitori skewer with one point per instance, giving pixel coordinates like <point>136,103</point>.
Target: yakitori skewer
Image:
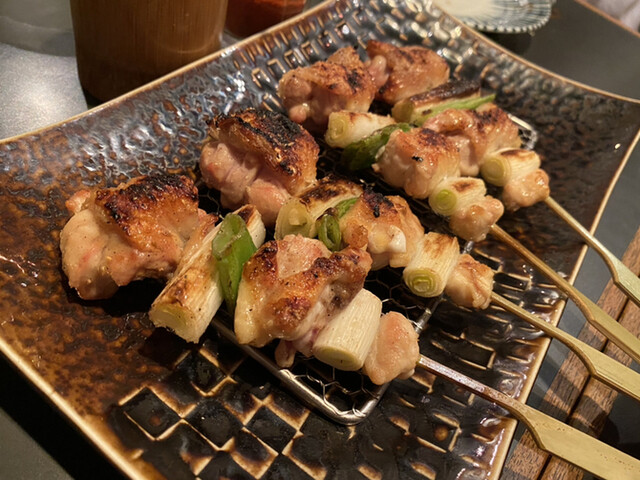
<point>550,434</point>
<point>524,183</point>
<point>622,276</point>
<point>434,264</point>
<point>599,365</point>
<point>510,166</point>
<point>423,164</point>
<point>439,268</point>
<point>615,332</point>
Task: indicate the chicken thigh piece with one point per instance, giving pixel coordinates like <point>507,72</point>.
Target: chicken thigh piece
<point>258,157</point>
<point>383,225</point>
<point>476,133</point>
<point>292,287</point>
<point>470,284</point>
<point>474,222</point>
<point>310,94</point>
<point>133,231</point>
<point>417,161</point>
<point>395,350</point>
<point>526,190</point>
<point>400,72</point>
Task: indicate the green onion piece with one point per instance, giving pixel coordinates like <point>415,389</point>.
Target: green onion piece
<point>496,170</point>
<point>329,231</point>
<point>423,283</point>
<point>460,104</point>
<point>444,202</point>
<point>344,206</point>
<point>362,154</point>
<point>231,248</point>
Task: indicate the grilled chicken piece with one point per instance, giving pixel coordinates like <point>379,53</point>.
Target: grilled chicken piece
<point>384,226</point>
<point>417,161</point>
<point>470,284</point>
<point>476,133</point>
<point>292,287</point>
<point>526,190</point>
<point>395,350</point>
<point>400,72</point>
<point>258,157</point>
<point>118,235</point>
<point>310,94</point>
<point>474,222</point>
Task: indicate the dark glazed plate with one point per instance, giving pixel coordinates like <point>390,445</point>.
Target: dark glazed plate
<point>159,408</point>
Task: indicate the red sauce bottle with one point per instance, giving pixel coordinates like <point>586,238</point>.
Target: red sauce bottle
<point>246,17</point>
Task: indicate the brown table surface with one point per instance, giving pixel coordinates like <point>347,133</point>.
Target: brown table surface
<point>39,86</point>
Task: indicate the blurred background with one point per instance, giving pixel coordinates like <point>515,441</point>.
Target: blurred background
<point>626,11</point>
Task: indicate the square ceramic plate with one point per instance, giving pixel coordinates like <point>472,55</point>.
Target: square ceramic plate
<point>160,408</point>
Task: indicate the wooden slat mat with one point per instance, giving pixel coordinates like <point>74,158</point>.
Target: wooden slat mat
<point>574,397</point>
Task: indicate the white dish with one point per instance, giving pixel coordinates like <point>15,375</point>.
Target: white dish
<point>499,16</point>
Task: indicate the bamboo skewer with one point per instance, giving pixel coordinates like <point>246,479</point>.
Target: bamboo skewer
<point>504,166</point>
<point>627,281</point>
<point>622,276</point>
<point>550,434</point>
<point>615,332</point>
<point>599,365</point>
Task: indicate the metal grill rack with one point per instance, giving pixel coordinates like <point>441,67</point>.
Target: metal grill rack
<point>349,397</point>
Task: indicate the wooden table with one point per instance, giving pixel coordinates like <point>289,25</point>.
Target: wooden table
<point>575,398</point>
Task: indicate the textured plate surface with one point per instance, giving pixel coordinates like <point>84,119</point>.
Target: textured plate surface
<point>500,16</point>
<point>160,408</point>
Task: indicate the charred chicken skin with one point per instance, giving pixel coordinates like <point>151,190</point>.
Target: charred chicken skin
<point>476,133</point>
<point>400,72</point>
<point>310,94</point>
<point>133,231</point>
<point>291,288</point>
<point>258,157</point>
<point>417,161</point>
<point>383,225</point>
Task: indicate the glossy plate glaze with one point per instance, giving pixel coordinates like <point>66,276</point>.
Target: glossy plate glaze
<point>160,408</point>
<point>500,16</point>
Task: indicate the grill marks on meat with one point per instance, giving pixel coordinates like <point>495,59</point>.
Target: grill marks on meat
<point>383,225</point>
<point>291,288</point>
<point>328,188</point>
<point>258,157</point>
<point>133,231</point>
<point>401,72</point>
<point>476,133</point>
<point>417,161</point>
<point>310,94</point>
<point>135,208</point>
